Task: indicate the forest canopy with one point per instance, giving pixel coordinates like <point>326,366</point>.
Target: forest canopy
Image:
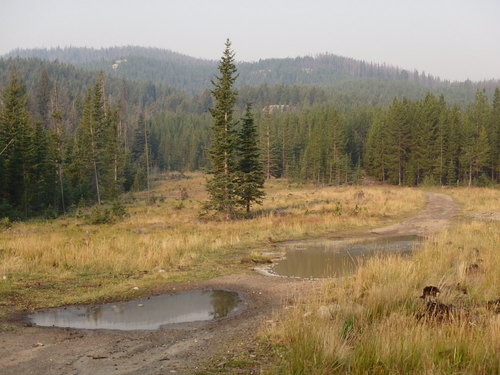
<point>71,135</point>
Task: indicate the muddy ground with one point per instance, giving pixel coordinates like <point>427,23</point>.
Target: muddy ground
<point>181,348</point>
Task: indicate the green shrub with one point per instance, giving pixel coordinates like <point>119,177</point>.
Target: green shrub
<point>118,209</point>
<point>99,215</point>
<point>5,223</point>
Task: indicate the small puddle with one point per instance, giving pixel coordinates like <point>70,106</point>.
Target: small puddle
<point>338,257</point>
<point>142,314</point>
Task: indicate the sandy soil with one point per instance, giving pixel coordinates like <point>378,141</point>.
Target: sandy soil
<point>486,215</point>
<point>181,348</point>
<point>439,209</point>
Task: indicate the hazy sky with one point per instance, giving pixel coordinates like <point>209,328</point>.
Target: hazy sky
<point>454,39</point>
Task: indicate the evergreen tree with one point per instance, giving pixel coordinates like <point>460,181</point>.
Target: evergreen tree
<point>267,144</point>
<point>17,150</point>
<point>376,156</point>
<point>42,99</point>
<point>494,136</point>
<point>222,187</point>
<point>83,169</point>
<point>95,162</point>
<point>476,150</point>
<point>140,154</point>
<point>250,172</point>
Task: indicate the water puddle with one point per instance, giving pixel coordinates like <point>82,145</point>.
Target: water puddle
<point>143,314</point>
<point>338,258</point>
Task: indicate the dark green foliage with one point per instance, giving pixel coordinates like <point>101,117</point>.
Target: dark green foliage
<point>250,174</point>
<point>426,142</point>
<point>5,223</point>
<point>494,136</point>
<point>222,187</point>
<point>63,133</point>
<point>20,145</point>
<point>105,214</point>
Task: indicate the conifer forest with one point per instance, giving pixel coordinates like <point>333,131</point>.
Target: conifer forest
<point>81,126</point>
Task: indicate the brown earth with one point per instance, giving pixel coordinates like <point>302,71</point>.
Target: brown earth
<point>181,348</point>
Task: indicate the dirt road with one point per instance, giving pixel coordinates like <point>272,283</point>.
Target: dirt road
<point>438,211</point>
<point>182,348</point>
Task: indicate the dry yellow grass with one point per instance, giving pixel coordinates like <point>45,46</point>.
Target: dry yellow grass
<point>367,324</point>
<point>475,198</point>
<point>165,235</point>
<point>168,241</point>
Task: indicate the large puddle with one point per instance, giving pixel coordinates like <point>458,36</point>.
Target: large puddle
<point>338,258</point>
<point>143,314</point>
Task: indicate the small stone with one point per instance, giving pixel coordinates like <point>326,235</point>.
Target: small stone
<point>140,304</point>
<point>38,344</point>
<point>135,288</point>
<point>4,277</point>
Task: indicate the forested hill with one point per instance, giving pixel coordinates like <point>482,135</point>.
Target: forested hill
<point>194,75</point>
<point>85,136</point>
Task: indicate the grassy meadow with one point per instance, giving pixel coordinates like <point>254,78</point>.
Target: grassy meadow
<point>369,323</point>
<point>164,239</point>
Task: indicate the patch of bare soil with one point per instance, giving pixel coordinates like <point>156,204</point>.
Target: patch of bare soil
<point>485,215</point>
<point>181,348</point>
<point>178,348</point>
<point>438,211</point>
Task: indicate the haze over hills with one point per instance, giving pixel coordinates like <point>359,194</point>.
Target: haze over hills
<point>324,119</point>
<point>194,74</point>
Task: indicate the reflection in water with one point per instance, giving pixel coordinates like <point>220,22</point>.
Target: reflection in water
<point>143,314</point>
<point>222,303</point>
<point>338,258</point>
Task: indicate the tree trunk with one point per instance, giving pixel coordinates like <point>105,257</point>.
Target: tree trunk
<point>95,164</point>
<point>146,150</point>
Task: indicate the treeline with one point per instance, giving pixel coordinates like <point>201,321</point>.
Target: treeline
<point>194,75</point>
<point>70,137</point>
<point>46,167</point>
<point>426,141</point>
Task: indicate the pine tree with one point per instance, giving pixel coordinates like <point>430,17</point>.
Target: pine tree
<point>222,187</point>
<point>17,149</point>
<point>476,149</point>
<point>95,164</point>
<point>267,144</point>
<point>494,135</point>
<point>140,154</point>
<point>250,172</point>
<point>42,98</point>
<point>83,168</point>
<point>376,159</point>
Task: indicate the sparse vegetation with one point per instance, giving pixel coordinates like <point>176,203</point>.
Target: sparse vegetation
<point>367,324</point>
<point>71,254</point>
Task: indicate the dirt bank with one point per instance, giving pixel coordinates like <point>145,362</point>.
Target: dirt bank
<point>183,348</point>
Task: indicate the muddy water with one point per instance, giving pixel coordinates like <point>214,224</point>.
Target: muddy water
<point>337,258</point>
<point>143,314</point>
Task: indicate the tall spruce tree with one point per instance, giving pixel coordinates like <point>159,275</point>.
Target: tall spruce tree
<point>494,131</point>
<point>222,187</point>
<point>17,150</point>
<point>250,172</point>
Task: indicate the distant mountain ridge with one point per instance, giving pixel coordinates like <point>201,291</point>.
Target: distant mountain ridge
<point>76,55</point>
<point>194,74</point>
